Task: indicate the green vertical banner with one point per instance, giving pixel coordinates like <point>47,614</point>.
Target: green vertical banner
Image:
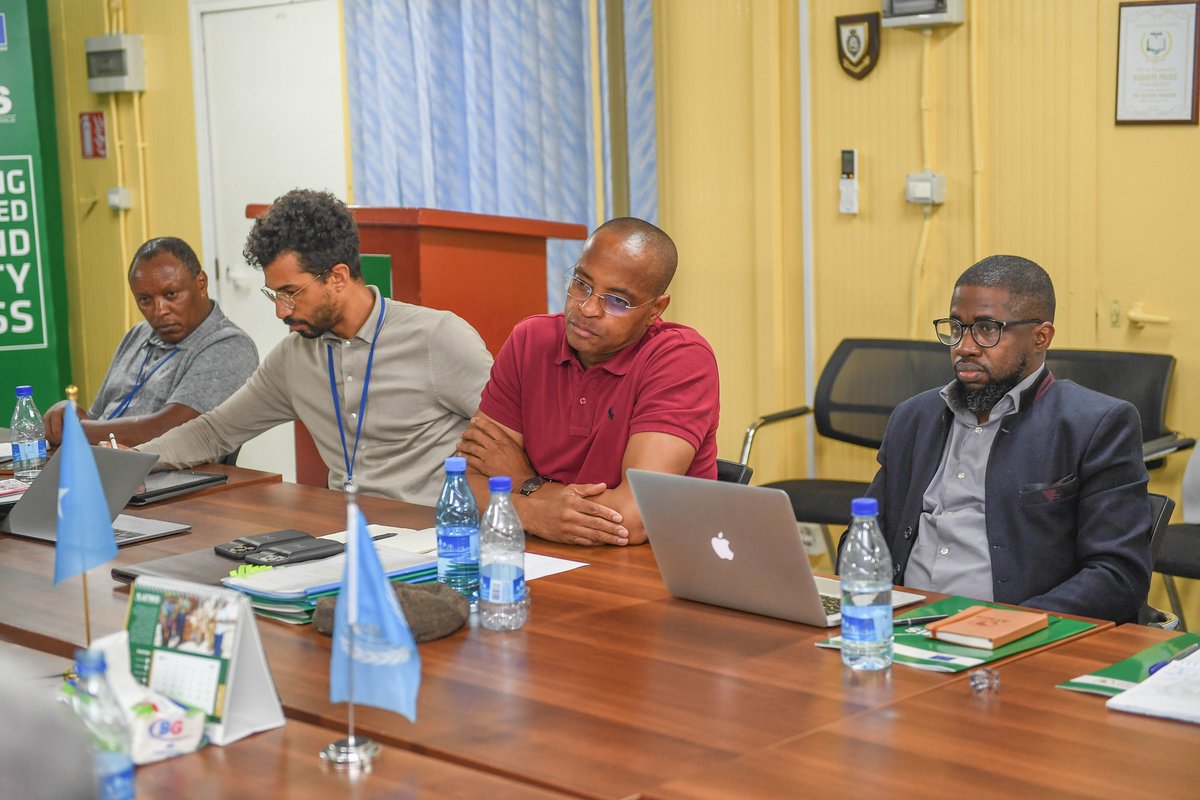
<point>33,349</point>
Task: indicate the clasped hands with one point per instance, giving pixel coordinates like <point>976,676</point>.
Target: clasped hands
<point>556,512</point>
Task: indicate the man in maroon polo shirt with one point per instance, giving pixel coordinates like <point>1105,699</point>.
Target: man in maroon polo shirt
<point>577,398</point>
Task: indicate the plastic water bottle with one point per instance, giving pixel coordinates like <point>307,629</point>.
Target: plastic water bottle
<point>865,569</point>
<point>28,437</point>
<point>503,599</point>
<point>458,532</point>
<point>95,704</point>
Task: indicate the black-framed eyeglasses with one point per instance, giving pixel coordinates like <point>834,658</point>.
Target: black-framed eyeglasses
<point>288,299</point>
<point>986,332</point>
<point>580,290</point>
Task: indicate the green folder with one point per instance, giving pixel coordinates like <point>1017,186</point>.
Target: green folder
<point>1116,678</point>
<point>914,648</point>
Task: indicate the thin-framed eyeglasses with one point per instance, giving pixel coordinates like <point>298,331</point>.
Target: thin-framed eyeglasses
<point>580,290</point>
<point>288,299</point>
<point>986,331</point>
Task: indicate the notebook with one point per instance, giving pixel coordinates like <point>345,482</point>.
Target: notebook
<point>35,515</point>
<point>736,546</point>
<point>162,485</point>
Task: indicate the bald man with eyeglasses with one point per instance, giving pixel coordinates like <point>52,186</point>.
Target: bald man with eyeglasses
<point>576,399</point>
<point>386,388</point>
<point>1006,484</point>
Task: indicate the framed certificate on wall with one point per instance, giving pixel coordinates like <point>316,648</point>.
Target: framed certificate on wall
<point>1157,70</point>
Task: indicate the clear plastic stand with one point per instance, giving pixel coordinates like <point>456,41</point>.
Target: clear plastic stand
<point>352,753</point>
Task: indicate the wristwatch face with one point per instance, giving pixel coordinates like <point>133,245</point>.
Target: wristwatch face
<point>532,485</point>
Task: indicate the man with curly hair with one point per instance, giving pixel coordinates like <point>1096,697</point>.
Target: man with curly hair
<point>385,388</point>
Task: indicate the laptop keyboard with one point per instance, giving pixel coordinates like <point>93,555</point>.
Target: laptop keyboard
<point>833,605</point>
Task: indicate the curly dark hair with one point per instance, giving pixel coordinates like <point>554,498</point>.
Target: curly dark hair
<point>166,244</point>
<point>316,226</point>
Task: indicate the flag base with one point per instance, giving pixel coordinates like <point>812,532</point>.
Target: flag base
<point>354,753</point>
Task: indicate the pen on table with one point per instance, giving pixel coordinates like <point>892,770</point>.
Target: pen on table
<point>387,535</point>
<point>112,440</point>
<point>918,620</point>
<point>1182,654</point>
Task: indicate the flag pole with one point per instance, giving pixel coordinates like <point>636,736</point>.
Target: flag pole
<point>72,397</point>
<point>351,753</point>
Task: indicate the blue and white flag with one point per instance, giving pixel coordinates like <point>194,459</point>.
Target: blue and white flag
<point>85,533</point>
<point>384,660</point>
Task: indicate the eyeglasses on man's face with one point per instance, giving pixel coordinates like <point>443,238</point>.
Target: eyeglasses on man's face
<point>288,299</point>
<point>986,332</point>
<point>580,290</point>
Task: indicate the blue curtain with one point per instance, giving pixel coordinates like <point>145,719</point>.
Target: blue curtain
<point>485,106</point>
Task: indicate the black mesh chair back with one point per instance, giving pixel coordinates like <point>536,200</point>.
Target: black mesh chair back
<point>1141,378</point>
<point>866,379</point>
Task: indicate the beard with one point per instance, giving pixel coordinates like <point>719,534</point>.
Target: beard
<point>984,399</point>
<point>322,321</point>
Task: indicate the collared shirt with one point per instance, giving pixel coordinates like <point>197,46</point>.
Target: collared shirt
<point>212,363</point>
<point>576,423</point>
<point>951,553</point>
<point>428,372</point>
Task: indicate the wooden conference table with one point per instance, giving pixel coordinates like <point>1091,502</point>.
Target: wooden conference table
<point>613,689</point>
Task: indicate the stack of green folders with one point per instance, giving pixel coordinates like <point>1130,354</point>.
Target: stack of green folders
<point>290,594</point>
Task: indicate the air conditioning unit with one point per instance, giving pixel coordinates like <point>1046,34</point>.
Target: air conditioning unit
<point>922,13</point>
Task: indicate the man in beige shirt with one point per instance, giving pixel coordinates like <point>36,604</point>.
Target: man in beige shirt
<point>385,388</point>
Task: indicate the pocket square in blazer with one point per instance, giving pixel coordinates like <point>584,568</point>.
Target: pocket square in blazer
<point>1061,489</point>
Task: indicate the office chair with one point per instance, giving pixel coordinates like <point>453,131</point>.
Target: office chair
<point>863,382</point>
<point>1175,549</point>
<point>1144,379</point>
<point>733,472</point>
<point>1161,508</point>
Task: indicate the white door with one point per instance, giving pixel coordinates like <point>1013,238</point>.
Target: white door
<point>269,101</point>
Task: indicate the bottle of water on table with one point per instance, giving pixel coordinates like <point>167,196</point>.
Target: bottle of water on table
<point>503,598</point>
<point>865,569</point>
<point>28,437</point>
<point>458,532</point>
<point>95,704</point>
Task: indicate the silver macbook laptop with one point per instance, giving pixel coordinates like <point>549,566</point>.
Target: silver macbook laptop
<point>35,514</point>
<point>736,546</point>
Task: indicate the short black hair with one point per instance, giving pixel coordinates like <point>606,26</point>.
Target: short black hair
<point>166,244</point>
<point>1028,285</point>
<point>646,236</point>
<point>316,226</point>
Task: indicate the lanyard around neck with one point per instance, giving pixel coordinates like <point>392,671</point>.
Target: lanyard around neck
<point>362,407</point>
<point>140,382</point>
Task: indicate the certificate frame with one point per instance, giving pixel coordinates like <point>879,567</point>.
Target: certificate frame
<point>1158,73</point>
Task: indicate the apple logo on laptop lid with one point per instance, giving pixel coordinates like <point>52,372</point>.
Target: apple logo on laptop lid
<point>720,546</point>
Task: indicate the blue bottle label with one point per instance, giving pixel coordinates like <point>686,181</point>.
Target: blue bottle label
<point>29,451</point>
<point>866,623</point>
<point>502,589</point>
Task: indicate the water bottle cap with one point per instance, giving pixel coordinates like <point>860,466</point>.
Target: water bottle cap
<point>24,391</point>
<point>90,662</point>
<point>864,507</point>
<point>500,483</point>
<point>456,464</point>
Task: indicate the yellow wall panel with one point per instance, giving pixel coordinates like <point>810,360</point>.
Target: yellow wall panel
<point>100,241</point>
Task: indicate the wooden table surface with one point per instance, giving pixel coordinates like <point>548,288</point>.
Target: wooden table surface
<point>1029,739</point>
<point>612,688</point>
<point>284,762</point>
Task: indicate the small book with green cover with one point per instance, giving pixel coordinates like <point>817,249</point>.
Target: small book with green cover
<point>1127,673</point>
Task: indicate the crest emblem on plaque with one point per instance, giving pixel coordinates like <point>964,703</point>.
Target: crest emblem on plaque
<point>858,44</point>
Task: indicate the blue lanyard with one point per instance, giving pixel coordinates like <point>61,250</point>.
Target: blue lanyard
<point>140,382</point>
<point>362,408</point>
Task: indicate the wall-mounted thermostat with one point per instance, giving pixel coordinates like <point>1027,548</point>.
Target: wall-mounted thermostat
<point>115,63</point>
<point>848,183</point>
<point>922,13</point>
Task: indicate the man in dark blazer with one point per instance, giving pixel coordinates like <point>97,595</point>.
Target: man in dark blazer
<point>1006,484</point>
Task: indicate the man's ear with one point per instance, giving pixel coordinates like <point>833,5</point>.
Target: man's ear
<point>202,283</point>
<point>1042,336</point>
<point>339,276</point>
<point>659,306</point>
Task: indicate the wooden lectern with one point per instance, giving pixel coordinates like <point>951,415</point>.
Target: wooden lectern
<point>489,270</point>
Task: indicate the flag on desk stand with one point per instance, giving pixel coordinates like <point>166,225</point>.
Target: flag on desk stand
<point>375,659</point>
<point>85,533</point>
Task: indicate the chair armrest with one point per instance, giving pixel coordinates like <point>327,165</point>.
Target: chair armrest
<point>769,419</point>
<point>1165,445</point>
